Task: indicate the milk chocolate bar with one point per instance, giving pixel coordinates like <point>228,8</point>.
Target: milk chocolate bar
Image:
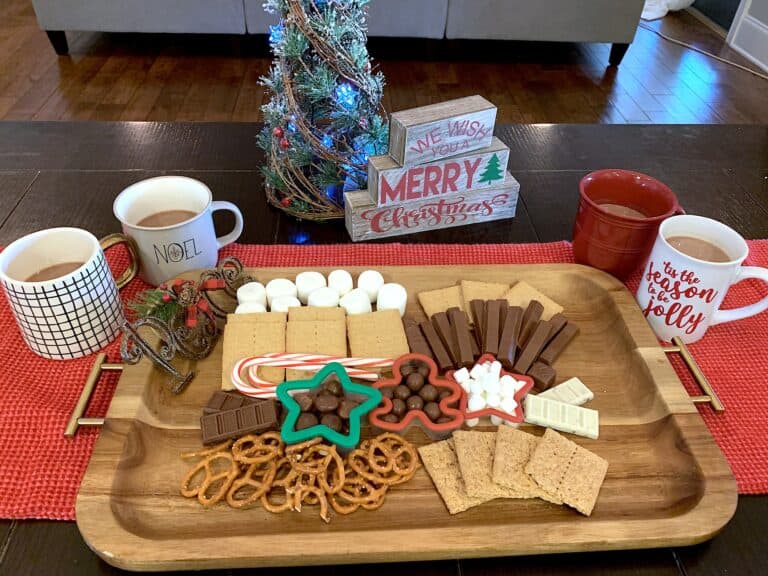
<point>234,423</point>
<point>463,338</point>
<point>440,354</point>
<point>559,343</point>
<point>533,347</point>
<point>222,401</point>
<point>509,334</point>
<point>443,327</point>
<point>416,340</point>
<point>478,313</point>
<point>472,340</point>
<point>531,316</point>
<point>491,332</point>
<point>558,321</point>
<point>543,375</point>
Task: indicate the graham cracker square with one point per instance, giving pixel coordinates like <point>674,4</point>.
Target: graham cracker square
<point>475,450</point>
<point>571,472</point>
<point>442,466</point>
<point>473,290</point>
<point>377,334</point>
<point>513,451</point>
<point>315,337</point>
<point>260,334</point>
<point>434,301</point>
<point>521,295</point>
<point>310,313</point>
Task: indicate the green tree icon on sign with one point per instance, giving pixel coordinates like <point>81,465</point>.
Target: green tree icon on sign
<point>492,171</point>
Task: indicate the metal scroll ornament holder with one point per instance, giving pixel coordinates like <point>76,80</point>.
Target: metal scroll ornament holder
<point>186,322</point>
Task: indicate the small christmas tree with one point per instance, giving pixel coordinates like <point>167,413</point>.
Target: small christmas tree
<point>324,117</point>
<point>492,171</point>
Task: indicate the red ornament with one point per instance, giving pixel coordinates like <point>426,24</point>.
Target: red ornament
<point>277,132</point>
<point>285,202</point>
<point>166,298</point>
<point>284,144</point>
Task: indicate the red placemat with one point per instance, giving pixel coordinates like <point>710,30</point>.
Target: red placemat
<point>40,470</point>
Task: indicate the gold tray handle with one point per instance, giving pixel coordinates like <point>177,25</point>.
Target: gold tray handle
<point>76,419</point>
<point>709,396</point>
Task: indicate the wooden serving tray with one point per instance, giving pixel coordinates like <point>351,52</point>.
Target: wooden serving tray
<point>667,484</point>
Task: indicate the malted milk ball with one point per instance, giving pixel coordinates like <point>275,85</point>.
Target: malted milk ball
<point>280,287</point>
<point>392,296</point>
<point>356,302</point>
<point>370,281</point>
<point>341,281</point>
<point>249,308</point>
<point>282,303</point>
<point>307,282</point>
<point>252,292</point>
<point>323,298</point>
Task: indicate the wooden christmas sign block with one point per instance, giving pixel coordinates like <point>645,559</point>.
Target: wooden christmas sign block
<point>441,130</point>
<point>388,183</point>
<point>366,221</point>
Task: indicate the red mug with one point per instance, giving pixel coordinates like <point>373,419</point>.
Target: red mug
<point>618,217</point>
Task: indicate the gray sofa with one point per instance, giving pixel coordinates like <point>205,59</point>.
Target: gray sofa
<point>613,21</point>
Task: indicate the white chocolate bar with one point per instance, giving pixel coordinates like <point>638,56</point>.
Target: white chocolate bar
<point>560,416</point>
<point>572,391</point>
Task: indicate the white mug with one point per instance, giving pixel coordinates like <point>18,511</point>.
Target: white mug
<point>76,313</point>
<point>681,295</point>
<point>171,250</point>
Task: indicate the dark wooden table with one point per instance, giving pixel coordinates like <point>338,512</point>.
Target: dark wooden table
<point>67,174</point>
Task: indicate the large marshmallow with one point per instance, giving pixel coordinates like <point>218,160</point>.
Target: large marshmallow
<point>370,281</point>
<point>308,282</point>
<point>249,308</point>
<point>356,302</point>
<point>280,287</point>
<point>252,292</point>
<point>282,303</point>
<point>324,298</point>
<point>392,297</point>
<point>341,281</point>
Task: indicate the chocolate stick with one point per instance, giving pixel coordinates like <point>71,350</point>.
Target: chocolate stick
<point>503,307</point>
<point>441,355</point>
<point>509,334</point>
<point>559,343</point>
<point>463,338</point>
<point>533,347</point>
<point>531,316</point>
<point>416,341</point>
<point>491,332</point>
<point>478,313</point>
<point>558,322</point>
<point>443,327</point>
<point>472,341</point>
<point>543,375</point>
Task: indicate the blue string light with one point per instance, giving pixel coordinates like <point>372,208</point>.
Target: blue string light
<point>346,95</point>
<point>276,34</point>
<point>327,141</point>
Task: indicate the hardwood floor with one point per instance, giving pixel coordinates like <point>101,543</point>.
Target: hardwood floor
<point>216,78</point>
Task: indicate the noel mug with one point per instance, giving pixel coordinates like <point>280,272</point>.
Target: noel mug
<point>693,263</point>
<point>170,218</point>
<point>61,290</point>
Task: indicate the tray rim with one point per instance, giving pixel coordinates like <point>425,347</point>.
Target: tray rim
<point>699,523</point>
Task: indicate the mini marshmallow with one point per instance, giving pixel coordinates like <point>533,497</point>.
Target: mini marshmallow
<point>371,281</point>
<point>249,308</point>
<point>476,387</point>
<point>496,420</point>
<point>341,281</point>
<point>512,423</point>
<point>323,297</point>
<point>477,371</point>
<point>392,297</point>
<point>492,385</point>
<point>508,386</point>
<point>356,302</point>
<point>307,282</point>
<point>465,386</point>
<point>476,402</point>
<point>252,292</point>
<point>472,422</point>
<point>461,375</point>
<point>282,303</point>
<point>508,405</point>
<point>280,287</point>
<point>495,370</point>
<point>493,400</point>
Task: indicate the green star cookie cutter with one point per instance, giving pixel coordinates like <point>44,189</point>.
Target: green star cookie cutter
<point>345,441</point>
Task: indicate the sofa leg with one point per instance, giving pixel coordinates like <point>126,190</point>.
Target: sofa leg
<point>617,54</point>
<point>59,41</point>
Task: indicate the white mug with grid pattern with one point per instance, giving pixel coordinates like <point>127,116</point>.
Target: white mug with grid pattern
<point>76,313</point>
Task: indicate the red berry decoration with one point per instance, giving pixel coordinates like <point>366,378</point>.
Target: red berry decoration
<point>284,144</point>
<point>166,298</point>
<point>277,132</point>
<point>285,202</point>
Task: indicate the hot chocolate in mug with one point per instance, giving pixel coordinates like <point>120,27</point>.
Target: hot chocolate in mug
<point>692,265</point>
<point>170,218</point>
